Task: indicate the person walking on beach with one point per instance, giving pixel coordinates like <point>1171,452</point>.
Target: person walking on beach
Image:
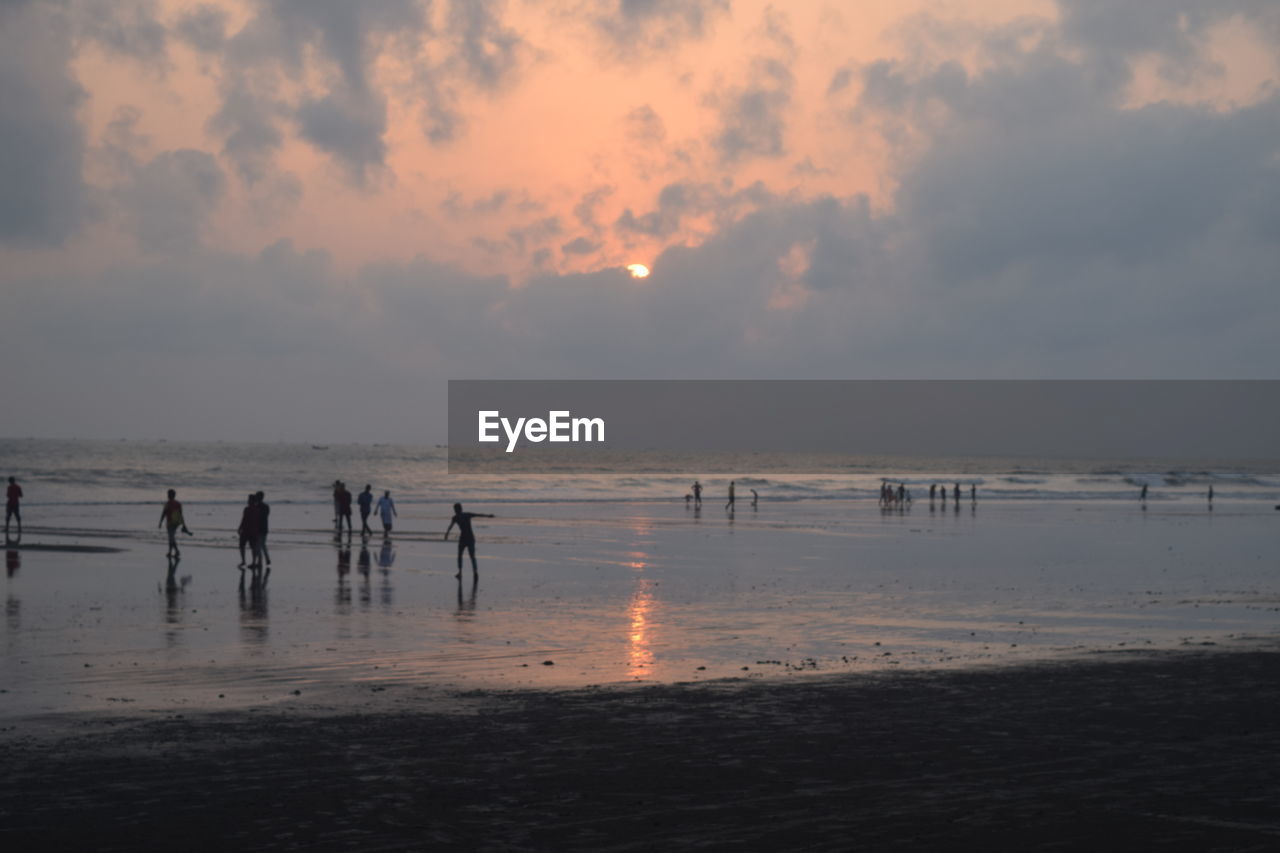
<point>973,493</point>
<point>697,493</point>
<point>755,498</point>
<point>171,516</point>
<point>337,512</point>
<point>12,496</point>
<point>365,500</point>
<point>264,526</point>
<point>344,508</point>
<point>1210,502</point>
<point>466,537</point>
<point>386,509</point>
<point>248,528</point>
<point>957,493</point>
<point>1143,496</point>
<point>729,505</point>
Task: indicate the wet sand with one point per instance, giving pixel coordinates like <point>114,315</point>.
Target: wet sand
<point>1168,750</point>
<point>637,677</point>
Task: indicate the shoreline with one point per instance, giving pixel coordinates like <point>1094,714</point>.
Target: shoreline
<point>1172,748</point>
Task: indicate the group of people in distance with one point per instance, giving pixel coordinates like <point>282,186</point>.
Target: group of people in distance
<point>941,490</point>
<point>342,509</point>
<point>899,497</point>
<point>694,495</point>
<point>254,522</point>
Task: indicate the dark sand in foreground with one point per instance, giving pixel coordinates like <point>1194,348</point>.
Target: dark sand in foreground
<point>1176,750</point>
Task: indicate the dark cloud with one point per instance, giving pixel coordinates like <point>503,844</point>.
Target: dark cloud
<point>43,197</point>
<point>204,28</point>
<point>456,207</point>
<point>1175,31</point>
<point>348,127</point>
<point>645,126</point>
<point>675,201</point>
<point>487,49</point>
<point>247,120</point>
<point>655,25</point>
<point>580,246</point>
<point>171,197</point>
<point>753,116</point>
<point>128,28</point>
<point>348,121</point>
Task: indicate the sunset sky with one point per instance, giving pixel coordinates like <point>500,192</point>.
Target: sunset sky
<point>296,219</point>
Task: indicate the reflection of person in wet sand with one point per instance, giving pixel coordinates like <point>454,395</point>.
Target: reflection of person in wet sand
<point>11,510</point>
<point>171,515</point>
<point>466,537</point>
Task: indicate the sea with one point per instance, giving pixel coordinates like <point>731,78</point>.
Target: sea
<point>72,472</point>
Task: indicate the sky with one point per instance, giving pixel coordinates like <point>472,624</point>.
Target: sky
<point>297,219</point>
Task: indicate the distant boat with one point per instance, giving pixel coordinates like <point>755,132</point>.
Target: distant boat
<point>319,447</point>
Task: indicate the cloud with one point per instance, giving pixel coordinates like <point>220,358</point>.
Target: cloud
<point>349,127</point>
<point>487,49</point>
<point>348,120</point>
<point>43,197</point>
<point>581,246</point>
<point>753,117</point>
<point>172,195</point>
<point>655,25</point>
<point>204,28</point>
<point>129,28</point>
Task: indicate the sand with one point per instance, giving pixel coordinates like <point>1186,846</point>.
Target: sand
<point>1170,750</point>
<point>814,676</point>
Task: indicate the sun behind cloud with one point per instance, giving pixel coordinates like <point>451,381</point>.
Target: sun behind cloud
<point>638,270</point>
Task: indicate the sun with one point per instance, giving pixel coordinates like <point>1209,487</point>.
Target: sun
<point>638,270</point>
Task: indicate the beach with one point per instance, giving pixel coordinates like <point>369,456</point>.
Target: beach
<point>643,675</point>
<point>1168,750</point>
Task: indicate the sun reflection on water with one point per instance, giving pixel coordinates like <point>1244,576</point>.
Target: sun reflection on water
<point>640,616</point>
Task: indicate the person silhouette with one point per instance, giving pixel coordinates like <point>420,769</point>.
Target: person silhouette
<point>248,528</point>
<point>697,493</point>
<point>343,499</point>
<point>386,509</point>
<point>11,510</point>
<point>365,500</point>
<point>466,537</point>
<point>729,504</point>
<point>171,516</point>
<point>264,526</point>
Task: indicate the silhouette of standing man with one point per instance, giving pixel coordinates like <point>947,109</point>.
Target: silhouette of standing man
<point>729,505</point>
<point>365,500</point>
<point>466,537</point>
<point>12,496</point>
<point>343,499</point>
